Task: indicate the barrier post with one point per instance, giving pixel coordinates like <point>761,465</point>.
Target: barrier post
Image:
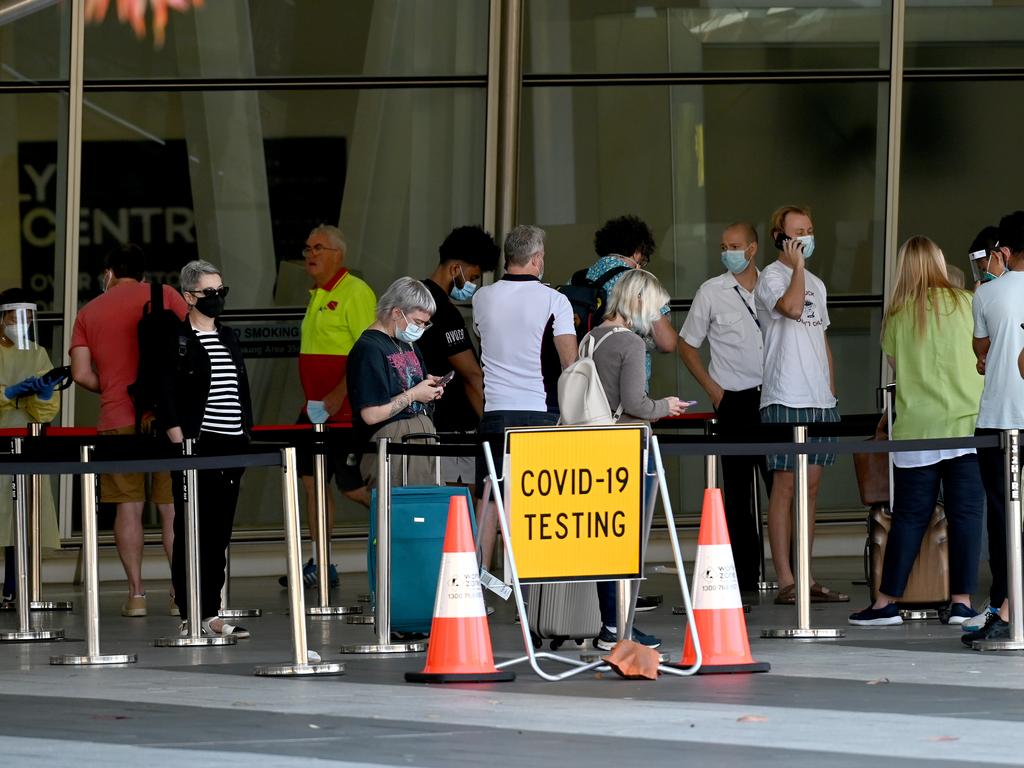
<point>300,665</point>
<point>1011,467</point>
<point>226,611</point>
<point>92,581</point>
<point>35,571</point>
<point>323,535</point>
<point>755,505</point>
<point>193,638</point>
<point>710,460</point>
<point>24,632</point>
<point>382,607</point>
<point>801,507</point>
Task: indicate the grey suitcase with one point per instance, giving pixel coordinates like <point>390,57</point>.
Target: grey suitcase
<point>560,612</point>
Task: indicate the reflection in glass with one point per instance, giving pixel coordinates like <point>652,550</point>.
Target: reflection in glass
<point>250,38</point>
<point>33,40</point>
<point>971,33</point>
<point>562,36</point>
<point>690,160</point>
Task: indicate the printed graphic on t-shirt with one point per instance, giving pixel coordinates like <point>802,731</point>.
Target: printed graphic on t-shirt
<point>408,368</point>
<point>810,316</point>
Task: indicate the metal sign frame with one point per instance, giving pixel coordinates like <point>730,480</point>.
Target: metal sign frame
<point>532,657</point>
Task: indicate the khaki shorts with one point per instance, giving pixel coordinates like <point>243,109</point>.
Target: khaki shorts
<point>125,488</point>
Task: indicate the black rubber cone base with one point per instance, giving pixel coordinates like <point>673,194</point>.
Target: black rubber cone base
<point>727,669</point>
<point>501,676</point>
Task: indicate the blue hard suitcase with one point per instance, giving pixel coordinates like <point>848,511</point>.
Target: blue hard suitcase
<point>419,517</point>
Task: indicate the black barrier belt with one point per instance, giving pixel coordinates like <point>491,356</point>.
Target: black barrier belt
<point>431,449</point>
<point>698,446</point>
<point>10,466</point>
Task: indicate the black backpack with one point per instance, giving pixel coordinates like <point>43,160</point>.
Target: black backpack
<point>156,327</point>
<point>588,298</point>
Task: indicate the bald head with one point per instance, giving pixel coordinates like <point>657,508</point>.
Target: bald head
<point>739,235</point>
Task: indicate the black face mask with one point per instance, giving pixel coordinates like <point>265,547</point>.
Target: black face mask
<point>211,306</point>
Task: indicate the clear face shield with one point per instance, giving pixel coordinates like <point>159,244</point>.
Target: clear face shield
<point>980,266</point>
<point>19,325</point>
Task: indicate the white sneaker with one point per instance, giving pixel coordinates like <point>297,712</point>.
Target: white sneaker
<point>976,623</point>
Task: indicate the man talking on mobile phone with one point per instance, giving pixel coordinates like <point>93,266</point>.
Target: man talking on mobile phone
<point>799,380</point>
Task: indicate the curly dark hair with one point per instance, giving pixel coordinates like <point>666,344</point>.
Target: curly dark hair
<point>1011,231</point>
<point>473,245</point>
<point>625,236</point>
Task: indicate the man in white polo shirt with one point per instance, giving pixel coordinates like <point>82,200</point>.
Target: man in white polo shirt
<point>512,318</point>
<point>998,314</point>
<point>723,313</point>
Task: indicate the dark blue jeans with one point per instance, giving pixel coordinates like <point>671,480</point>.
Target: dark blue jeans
<point>915,492</point>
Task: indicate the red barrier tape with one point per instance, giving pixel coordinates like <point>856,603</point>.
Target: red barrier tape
<point>690,417</point>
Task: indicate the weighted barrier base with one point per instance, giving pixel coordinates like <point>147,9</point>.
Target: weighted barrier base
<point>194,642</point>
<point>110,658</point>
<point>365,618</point>
<point>803,634</point>
<point>332,610</point>
<point>501,676</point>
<point>591,657</point>
<point>919,614</point>
<point>31,635</point>
<point>727,669</point>
<point>240,613</point>
<point>417,647</point>
<point>47,605</point>
<point>767,586</point>
<point>998,645</point>
<point>364,599</point>
<point>300,670</point>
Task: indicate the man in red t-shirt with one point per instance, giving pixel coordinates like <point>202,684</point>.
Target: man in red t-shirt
<point>105,359</point>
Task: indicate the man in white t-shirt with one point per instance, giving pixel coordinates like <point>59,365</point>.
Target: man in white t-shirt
<point>998,314</point>
<point>799,379</point>
<point>512,317</point>
<point>723,313</point>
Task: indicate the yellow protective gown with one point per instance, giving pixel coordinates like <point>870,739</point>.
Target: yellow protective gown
<point>17,365</point>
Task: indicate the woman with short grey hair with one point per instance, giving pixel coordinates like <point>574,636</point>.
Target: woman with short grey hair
<point>389,388</point>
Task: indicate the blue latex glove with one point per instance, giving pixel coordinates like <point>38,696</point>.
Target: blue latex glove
<point>24,387</point>
<point>316,411</point>
<point>44,391</point>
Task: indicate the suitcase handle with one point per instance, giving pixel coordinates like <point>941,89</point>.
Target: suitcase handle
<point>421,436</point>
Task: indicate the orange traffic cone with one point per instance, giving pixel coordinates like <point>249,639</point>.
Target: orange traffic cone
<point>717,607</point>
<point>460,640</point>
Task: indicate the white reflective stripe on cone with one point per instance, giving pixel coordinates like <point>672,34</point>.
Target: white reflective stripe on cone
<point>714,579</point>
<point>458,588</point>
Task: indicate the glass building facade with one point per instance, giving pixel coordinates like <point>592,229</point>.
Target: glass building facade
<point>246,122</point>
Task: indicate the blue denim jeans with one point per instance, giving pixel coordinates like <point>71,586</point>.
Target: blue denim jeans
<point>915,492</point>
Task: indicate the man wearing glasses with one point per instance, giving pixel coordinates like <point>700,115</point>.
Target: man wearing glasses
<point>341,307</point>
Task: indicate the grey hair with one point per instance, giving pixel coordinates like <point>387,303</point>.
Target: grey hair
<point>522,243</point>
<point>332,233</point>
<point>406,294</point>
<point>637,298</point>
<point>193,272</point>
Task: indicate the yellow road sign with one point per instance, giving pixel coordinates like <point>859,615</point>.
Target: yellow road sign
<point>575,498</point>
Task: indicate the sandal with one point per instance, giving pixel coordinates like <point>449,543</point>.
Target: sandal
<point>822,594</point>
<point>787,595</point>
<point>225,629</point>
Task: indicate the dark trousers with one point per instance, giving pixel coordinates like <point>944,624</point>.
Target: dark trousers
<point>217,497</point>
<point>915,491</point>
<point>993,477</point>
<point>737,412</point>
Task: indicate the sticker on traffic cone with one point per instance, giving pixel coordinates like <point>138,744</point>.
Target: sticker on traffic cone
<point>717,607</point>
<point>460,640</point>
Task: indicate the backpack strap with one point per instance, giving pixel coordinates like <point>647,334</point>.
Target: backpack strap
<point>156,296</point>
<point>608,276</point>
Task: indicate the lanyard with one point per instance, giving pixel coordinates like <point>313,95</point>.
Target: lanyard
<point>752,315</point>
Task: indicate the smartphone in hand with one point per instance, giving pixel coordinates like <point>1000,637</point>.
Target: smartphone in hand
<point>445,380</point>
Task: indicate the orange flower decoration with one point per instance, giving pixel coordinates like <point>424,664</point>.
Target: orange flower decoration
<point>134,12</point>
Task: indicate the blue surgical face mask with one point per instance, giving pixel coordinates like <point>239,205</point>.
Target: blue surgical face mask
<point>735,261</point>
<point>317,412</point>
<point>411,333</point>
<point>808,241</point>
<point>465,293</point>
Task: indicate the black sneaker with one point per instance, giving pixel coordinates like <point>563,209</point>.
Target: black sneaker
<point>956,614</point>
<point>995,629</point>
<point>407,637</point>
<point>608,637</point>
<point>644,603</point>
<point>877,617</point>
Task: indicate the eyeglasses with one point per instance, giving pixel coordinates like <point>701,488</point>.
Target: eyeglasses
<point>425,325</point>
<point>211,292</point>
<point>317,249</point>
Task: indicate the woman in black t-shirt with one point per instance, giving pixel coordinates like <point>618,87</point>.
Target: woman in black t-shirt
<point>388,386</point>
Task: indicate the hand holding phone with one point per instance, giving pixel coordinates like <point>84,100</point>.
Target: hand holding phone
<point>688,403</point>
<point>445,380</point>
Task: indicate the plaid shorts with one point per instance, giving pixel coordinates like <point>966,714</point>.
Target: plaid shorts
<point>783,414</point>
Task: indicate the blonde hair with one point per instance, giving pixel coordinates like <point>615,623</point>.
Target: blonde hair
<point>777,223</point>
<point>920,269</point>
<point>637,299</point>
